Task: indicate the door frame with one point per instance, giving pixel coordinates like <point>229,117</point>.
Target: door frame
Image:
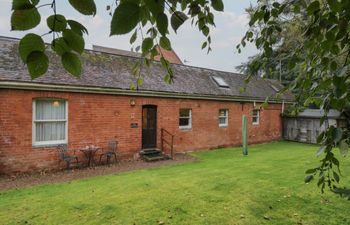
<point>156,124</point>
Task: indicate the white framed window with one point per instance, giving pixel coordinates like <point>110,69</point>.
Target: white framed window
<point>185,119</point>
<point>223,117</point>
<point>256,116</point>
<point>50,122</point>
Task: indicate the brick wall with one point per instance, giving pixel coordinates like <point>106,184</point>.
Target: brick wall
<point>95,119</point>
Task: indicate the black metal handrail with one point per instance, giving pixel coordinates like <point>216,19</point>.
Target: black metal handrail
<point>170,143</point>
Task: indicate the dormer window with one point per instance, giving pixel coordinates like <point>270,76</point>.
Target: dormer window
<point>220,82</point>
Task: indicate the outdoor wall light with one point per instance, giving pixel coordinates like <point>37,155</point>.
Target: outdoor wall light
<point>56,103</point>
<point>132,102</point>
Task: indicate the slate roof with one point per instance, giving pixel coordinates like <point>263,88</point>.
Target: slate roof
<point>104,70</point>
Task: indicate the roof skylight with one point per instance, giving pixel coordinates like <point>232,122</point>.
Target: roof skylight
<point>274,87</point>
<point>220,82</point>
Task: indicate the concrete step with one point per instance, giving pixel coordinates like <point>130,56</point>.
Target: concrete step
<point>155,158</point>
<point>150,151</point>
<point>152,154</point>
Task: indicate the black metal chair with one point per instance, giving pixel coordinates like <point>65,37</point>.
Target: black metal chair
<point>64,156</point>
<point>111,152</point>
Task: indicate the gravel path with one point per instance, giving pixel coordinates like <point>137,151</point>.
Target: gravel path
<point>28,180</point>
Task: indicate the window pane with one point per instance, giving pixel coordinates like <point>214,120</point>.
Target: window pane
<point>255,119</point>
<point>223,112</point>
<point>50,131</point>
<point>222,120</point>
<point>184,112</point>
<point>50,109</point>
<point>184,121</point>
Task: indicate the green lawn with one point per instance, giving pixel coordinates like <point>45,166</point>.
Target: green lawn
<point>223,188</point>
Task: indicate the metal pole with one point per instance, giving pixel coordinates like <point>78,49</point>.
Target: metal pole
<point>245,135</point>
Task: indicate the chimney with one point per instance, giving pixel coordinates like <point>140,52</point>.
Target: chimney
<point>171,56</point>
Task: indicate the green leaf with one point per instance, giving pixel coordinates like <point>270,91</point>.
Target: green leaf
<point>37,63</point>
<point>133,37</point>
<point>313,7</point>
<point>321,150</point>
<point>205,31</point>
<point>310,171</point>
<point>74,41</point>
<point>56,22</point>
<point>177,19</point>
<point>35,2</point>
<point>77,27</point>
<point>343,147</point>
<point>125,18</point>
<point>30,43</point>
<point>60,46</point>
<point>155,6</point>
<point>308,178</point>
<point>21,4</point>
<point>25,19</point>
<point>164,62</point>
<point>218,5</point>
<point>165,43</point>
<point>162,23</point>
<point>85,7</point>
<point>71,63</point>
<point>183,5</point>
<point>204,45</point>
<point>147,44</point>
<point>336,176</point>
<point>167,78</point>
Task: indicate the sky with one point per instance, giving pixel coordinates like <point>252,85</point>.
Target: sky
<point>230,28</point>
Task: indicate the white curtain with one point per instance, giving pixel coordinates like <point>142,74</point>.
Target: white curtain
<point>50,120</point>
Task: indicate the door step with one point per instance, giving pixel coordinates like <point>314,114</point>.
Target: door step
<point>153,154</point>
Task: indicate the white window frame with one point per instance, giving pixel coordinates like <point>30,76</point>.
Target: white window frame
<point>189,117</point>
<point>257,116</point>
<point>225,117</point>
<point>47,143</point>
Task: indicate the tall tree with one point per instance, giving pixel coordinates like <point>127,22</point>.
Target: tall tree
<point>320,62</point>
<point>275,66</point>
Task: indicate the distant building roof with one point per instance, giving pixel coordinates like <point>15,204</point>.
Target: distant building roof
<point>106,72</point>
<point>115,51</point>
<point>318,113</point>
<point>171,56</point>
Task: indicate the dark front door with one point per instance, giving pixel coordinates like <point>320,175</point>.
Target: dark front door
<point>149,126</point>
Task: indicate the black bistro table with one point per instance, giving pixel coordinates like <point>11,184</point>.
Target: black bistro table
<point>89,152</point>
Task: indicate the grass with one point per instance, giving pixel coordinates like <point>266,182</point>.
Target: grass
<point>223,188</point>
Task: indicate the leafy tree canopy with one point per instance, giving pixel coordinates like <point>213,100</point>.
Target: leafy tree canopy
<point>318,56</point>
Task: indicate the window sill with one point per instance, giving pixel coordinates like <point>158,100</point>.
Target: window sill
<point>185,128</point>
<point>223,126</point>
<point>255,124</point>
<point>38,146</point>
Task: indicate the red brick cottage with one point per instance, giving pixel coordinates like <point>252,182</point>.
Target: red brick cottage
<point>203,108</point>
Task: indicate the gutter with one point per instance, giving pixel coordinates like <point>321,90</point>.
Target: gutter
<point>126,92</point>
